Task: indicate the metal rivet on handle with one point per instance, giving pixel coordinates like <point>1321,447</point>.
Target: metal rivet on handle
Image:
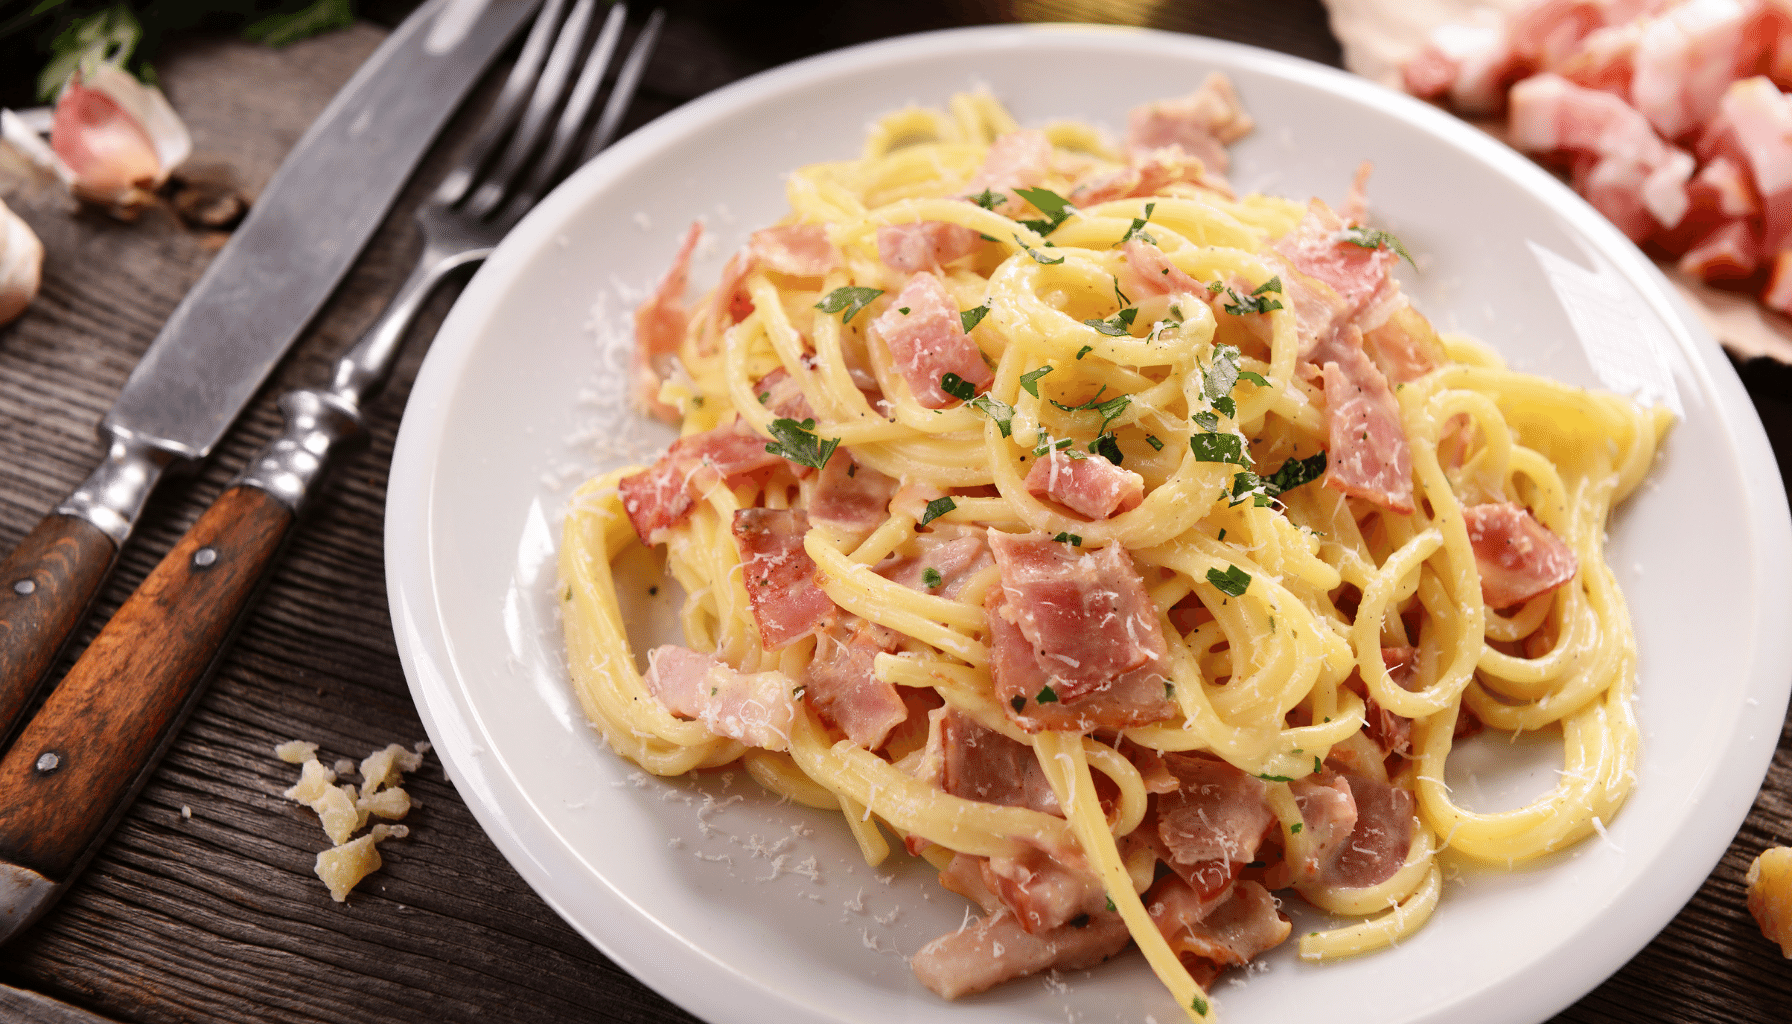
<point>205,556</point>
<point>47,762</point>
<point>24,588</point>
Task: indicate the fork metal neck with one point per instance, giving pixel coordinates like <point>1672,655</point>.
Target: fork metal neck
<point>361,372</point>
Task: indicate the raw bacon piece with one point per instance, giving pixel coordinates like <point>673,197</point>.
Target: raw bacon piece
<point>1546,33</point>
<point>840,682</point>
<point>1231,934</point>
<point>982,764</point>
<point>1778,293</point>
<point>660,324</point>
<point>998,949</point>
<point>1729,253</point>
<point>1217,813</point>
<point>1473,62</point>
<point>1092,487</point>
<point>1369,456</point>
<point>1518,557</point>
<point>851,496</point>
<point>1154,274</point>
<point>924,245</point>
<point>1753,127</point>
<point>1085,613</point>
<point>800,250</point>
<point>781,579</point>
<point>1685,58</point>
<point>1606,59</point>
<point>661,496</point>
<point>1133,698</point>
<point>756,709</point>
<point>928,341</point>
<point>1203,123</point>
<point>1016,160</point>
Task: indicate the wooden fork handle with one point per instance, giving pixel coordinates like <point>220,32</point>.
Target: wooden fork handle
<point>74,769</point>
<point>46,585</point>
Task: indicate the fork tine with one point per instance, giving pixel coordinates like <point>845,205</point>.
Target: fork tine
<point>543,102</point>
<point>627,81</point>
<point>572,119</point>
<point>505,108</point>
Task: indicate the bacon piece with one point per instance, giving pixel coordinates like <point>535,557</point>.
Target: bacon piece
<point>781,579</point>
<point>1405,347</point>
<point>1203,123</point>
<point>1753,127</point>
<point>851,496</point>
<point>955,559</point>
<point>1043,893</point>
<point>1231,934</point>
<point>1217,813</point>
<point>1188,894</point>
<point>998,949</point>
<point>1778,293</point>
<point>1091,487</point>
<point>1391,732</point>
<point>660,324</point>
<point>660,497</point>
<point>1016,160</point>
<point>779,392</point>
<point>1379,842</point>
<point>982,764</point>
<point>1518,557</point>
<point>841,685</point>
<point>1545,33</point>
<point>756,709</point>
<point>929,341</point>
<point>1132,698</point>
<point>1728,253</point>
<point>1328,815</point>
<point>1606,59</point>
<point>1146,174</point>
<point>1085,613</point>
<point>924,245</point>
<point>1686,57</point>
<point>1472,62</point>
<point>1152,273</point>
<point>1369,455</point>
<point>1317,248</point>
<point>800,250</point>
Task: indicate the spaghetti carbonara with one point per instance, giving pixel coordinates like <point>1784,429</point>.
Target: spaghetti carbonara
<point>1129,550</point>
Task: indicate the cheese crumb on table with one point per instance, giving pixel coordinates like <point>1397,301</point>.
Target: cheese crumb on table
<point>1770,895</point>
<point>343,810</point>
<point>295,751</point>
<point>342,867</point>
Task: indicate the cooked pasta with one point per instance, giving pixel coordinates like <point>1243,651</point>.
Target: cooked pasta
<point>1128,549</point>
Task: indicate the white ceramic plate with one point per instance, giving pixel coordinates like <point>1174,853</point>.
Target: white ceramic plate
<point>742,910</point>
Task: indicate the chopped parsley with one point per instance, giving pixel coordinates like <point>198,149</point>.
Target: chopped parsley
<point>1019,704</point>
<point>1317,767</point>
<point>1295,828</point>
<point>1108,447</point>
<point>1374,238</point>
<point>1233,582</point>
<point>1137,228</point>
<point>1222,535</point>
<point>1117,326</point>
<point>997,410</point>
<point>1111,907</point>
<point>1256,302</point>
<point>973,316</point>
<point>989,199</point>
<point>848,299</point>
<point>1074,540</point>
<point>1276,778</point>
<point>1038,257</point>
<point>1199,1005</point>
<point>931,577</point>
<point>959,388</point>
<point>1047,696</point>
<point>1274,284</point>
<point>798,443</point>
<point>1110,410</point>
<point>1029,382</point>
<point>1047,445</point>
<point>1151,439</point>
<point>939,507</point>
<point>903,311</point>
<point>1218,380</point>
<point>1085,350</point>
<point>1294,473</point>
<point>1254,377</point>
<point>764,396</point>
<point>1206,420</point>
<point>1056,208</point>
<point>1219,448</point>
<point>1169,690</point>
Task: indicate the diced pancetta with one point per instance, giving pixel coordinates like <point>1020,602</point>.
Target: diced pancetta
<point>1728,253</point>
<point>1328,813</point>
<point>1369,455</point>
<point>1686,57</point>
<point>1133,698</point>
<point>1043,893</point>
<point>783,584</point>
<point>1318,247</point>
<point>1518,557</point>
<point>982,764</point>
<point>1203,123</point>
<point>1146,174</point>
<point>1778,293</point>
<point>1231,934</point>
<point>1753,127</point>
<point>851,496</point>
<point>1152,273</point>
<point>800,250</point>
<point>1085,613</point>
<point>1380,839</point>
<point>1606,59</point>
<point>1472,62</point>
<point>757,709</point>
<point>660,324</point>
<point>1545,33</point>
<point>953,560</point>
<point>924,245</point>
<point>660,497</point>
<point>1016,160</point>
<point>842,687</point>
<point>928,341</point>
<point>779,392</point>
<point>1091,486</point>
<point>1217,813</point>
<point>997,949</point>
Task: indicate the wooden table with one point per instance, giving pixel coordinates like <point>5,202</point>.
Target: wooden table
<point>218,917</point>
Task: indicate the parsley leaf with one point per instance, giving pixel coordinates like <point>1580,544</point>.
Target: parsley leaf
<point>959,388</point>
<point>1030,381</point>
<point>1120,296</point>
<point>1019,704</point>
<point>1037,256</point>
<point>931,577</point>
<point>1254,377</point>
<point>1085,350</point>
<point>1276,778</point>
<point>1372,238</point>
<point>1110,410</point>
<point>1226,405</point>
<point>1234,581</point>
<point>997,410</point>
<point>1117,326</point>
<point>849,299</point>
<point>937,508</point>
<point>798,443</point>
<point>1108,447</point>
<point>1197,1004</point>
<point>1228,448</point>
<point>1056,208</point>
<point>973,316</point>
<point>1294,473</point>
<point>989,199</point>
<point>1274,284</point>
<point>1295,828</point>
<point>1253,303</point>
<point>1073,539</point>
<point>1047,696</point>
<point>1206,420</point>
<point>1151,439</point>
<point>1218,380</point>
<point>1138,224</point>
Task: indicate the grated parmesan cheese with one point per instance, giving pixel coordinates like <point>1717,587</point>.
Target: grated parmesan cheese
<point>342,867</point>
<point>1770,895</point>
<point>295,751</point>
<point>343,810</point>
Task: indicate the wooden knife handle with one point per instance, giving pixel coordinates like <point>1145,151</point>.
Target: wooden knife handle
<point>73,770</point>
<point>46,585</point>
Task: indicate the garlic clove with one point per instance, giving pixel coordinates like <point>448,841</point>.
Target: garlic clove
<point>118,137</point>
<point>21,264</point>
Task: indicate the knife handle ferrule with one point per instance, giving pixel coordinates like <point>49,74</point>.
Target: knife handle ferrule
<point>112,497</point>
<point>317,422</point>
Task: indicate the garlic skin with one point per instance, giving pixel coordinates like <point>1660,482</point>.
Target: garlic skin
<point>117,139</point>
<point>21,264</point>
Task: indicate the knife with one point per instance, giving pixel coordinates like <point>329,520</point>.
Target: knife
<point>254,300</point>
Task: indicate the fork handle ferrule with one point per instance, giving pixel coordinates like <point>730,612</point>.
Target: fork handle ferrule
<point>317,422</point>
<point>363,370</point>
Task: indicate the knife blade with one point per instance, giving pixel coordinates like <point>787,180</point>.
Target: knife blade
<point>253,301</point>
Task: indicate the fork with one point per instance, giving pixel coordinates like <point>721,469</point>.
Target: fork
<point>78,763</point>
